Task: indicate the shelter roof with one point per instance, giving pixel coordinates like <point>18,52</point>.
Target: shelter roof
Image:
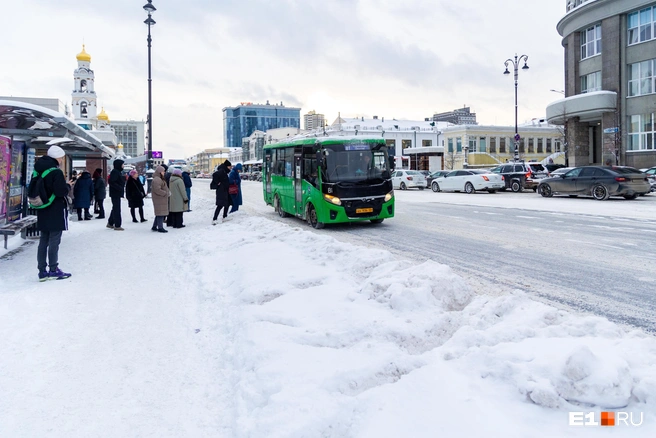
<point>41,126</point>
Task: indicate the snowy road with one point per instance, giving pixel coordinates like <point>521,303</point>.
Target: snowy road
<point>596,262</point>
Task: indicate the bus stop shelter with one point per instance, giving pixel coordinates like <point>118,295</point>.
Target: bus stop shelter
<point>26,132</point>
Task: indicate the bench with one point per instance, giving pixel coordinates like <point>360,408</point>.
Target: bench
<point>12,228</point>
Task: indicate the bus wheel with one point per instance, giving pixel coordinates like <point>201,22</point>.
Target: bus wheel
<point>312,218</point>
<point>278,207</point>
<point>377,221</point>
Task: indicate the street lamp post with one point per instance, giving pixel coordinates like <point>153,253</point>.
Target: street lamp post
<point>515,64</point>
<point>150,9</point>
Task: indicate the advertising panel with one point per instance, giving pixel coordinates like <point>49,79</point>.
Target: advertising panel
<point>15,203</point>
<point>5,164</point>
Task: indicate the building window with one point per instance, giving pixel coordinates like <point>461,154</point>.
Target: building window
<point>591,42</point>
<point>405,144</point>
<point>641,25</point>
<point>472,144</point>
<point>641,78</point>
<point>458,144</point>
<point>482,145</point>
<point>493,145</point>
<point>426,143</point>
<point>450,142</point>
<point>502,145</point>
<point>531,146</point>
<point>591,82</point>
<point>641,132</point>
<point>540,147</point>
<point>549,146</point>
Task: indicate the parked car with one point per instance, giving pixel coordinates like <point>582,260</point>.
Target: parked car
<point>600,182</point>
<point>468,181</point>
<point>521,175</point>
<point>651,176</point>
<point>435,175</point>
<point>551,167</point>
<point>405,179</point>
<point>561,170</point>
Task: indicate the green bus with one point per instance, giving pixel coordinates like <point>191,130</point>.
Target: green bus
<point>328,180</point>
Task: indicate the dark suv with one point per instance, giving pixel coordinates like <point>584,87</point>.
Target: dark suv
<point>520,175</point>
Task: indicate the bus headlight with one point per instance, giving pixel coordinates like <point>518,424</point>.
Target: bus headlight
<point>389,196</point>
<point>332,199</point>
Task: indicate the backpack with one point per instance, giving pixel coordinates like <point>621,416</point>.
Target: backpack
<point>215,182</point>
<point>37,196</point>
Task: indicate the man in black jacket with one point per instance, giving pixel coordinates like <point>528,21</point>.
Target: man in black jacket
<point>116,192</point>
<point>52,220</point>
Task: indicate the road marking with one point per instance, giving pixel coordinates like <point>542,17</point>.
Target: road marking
<point>527,217</point>
<point>594,244</point>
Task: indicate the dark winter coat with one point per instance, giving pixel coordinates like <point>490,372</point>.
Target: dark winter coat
<point>83,191</point>
<point>187,180</point>
<point>116,180</point>
<point>220,179</point>
<point>235,178</point>
<point>54,217</point>
<point>99,190</point>
<point>134,192</point>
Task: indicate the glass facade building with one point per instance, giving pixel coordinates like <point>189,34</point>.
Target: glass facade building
<point>132,135</point>
<point>241,121</point>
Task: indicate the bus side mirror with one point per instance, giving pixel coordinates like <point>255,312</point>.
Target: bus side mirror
<point>319,159</point>
<point>386,174</point>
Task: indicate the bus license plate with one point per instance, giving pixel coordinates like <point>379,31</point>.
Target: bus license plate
<point>364,210</point>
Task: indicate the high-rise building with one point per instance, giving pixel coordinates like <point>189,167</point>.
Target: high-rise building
<point>131,134</point>
<point>312,120</point>
<point>241,121</point>
<point>53,104</point>
<point>459,116</point>
<point>608,112</point>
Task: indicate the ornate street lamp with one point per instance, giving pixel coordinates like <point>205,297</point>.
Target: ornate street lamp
<point>150,9</point>
<point>515,64</point>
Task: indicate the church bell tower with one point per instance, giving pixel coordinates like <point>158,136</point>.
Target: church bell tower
<point>84,95</point>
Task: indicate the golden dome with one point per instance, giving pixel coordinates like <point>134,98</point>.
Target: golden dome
<point>103,116</point>
<point>120,146</point>
<point>83,55</point>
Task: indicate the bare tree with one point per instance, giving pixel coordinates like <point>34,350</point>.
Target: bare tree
<point>449,160</point>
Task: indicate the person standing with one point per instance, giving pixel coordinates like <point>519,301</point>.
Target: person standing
<point>234,178</point>
<point>220,182</point>
<point>99,192</point>
<point>178,200</point>
<point>83,195</point>
<point>135,194</point>
<point>160,193</point>
<point>116,192</point>
<point>52,220</point>
<point>186,177</point>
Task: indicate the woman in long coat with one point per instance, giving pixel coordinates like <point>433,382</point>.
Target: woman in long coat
<point>235,178</point>
<point>82,195</point>
<point>160,193</point>
<point>220,182</point>
<point>178,201</point>
<point>135,193</point>
<point>99,192</point>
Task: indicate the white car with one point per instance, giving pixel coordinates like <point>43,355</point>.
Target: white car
<point>469,180</point>
<point>407,179</point>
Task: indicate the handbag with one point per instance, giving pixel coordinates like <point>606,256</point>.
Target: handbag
<point>233,189</point>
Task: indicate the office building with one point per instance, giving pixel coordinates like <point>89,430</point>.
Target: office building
<point>241,121</point>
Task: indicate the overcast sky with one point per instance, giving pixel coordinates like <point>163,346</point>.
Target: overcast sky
<point>403,59</point>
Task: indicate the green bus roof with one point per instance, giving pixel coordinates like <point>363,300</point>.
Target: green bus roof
<point>327,140</point>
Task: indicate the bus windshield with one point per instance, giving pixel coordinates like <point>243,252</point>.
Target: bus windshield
<point>357,162</point>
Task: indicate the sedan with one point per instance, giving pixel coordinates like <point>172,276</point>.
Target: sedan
<point>469,181</point>
<point>600,182</point>
<point>651,176</point>
<point>405,179</point>
<point>434,176</point>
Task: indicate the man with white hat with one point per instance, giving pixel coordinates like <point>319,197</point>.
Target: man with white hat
<point>53,219</point>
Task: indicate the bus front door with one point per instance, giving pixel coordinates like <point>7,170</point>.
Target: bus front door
<point>298,183</point>
<point>267,173</point>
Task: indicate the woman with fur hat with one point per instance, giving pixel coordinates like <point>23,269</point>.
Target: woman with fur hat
<point>178,200</point>
<point>135,194</point>
<point>160,193</point>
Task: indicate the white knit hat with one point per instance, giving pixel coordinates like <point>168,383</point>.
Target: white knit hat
<point>56,152</point>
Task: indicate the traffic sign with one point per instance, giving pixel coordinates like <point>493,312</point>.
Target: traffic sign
<point>517,137</point>
<point>611,130</point>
